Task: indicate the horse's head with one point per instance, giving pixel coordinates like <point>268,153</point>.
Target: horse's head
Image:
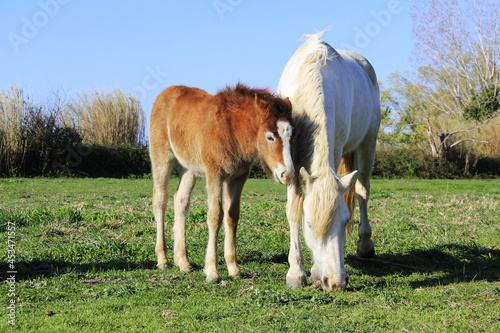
<point>275,137</point>
<point>325,218</point>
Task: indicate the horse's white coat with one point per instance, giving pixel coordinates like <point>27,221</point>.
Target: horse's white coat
<point>335,100</point>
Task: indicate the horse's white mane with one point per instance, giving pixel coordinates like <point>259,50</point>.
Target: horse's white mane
<point>309,114</point>
<point>309,100</point>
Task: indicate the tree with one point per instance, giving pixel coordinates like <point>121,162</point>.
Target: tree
<point>398,125</point>
<point>457,53</point>
<point>483,106</point>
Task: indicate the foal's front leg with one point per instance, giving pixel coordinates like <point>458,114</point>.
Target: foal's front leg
<point>214,221</point>
<point>232,200</point>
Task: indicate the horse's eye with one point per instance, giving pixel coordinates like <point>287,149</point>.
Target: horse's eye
<point>270,137</point>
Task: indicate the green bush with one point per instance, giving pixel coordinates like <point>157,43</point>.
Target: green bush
<point>44,143</point>
<point>414,161</point>
<point>118,161</point>
<point>96,135</point>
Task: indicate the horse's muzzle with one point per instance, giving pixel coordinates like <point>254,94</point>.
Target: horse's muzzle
<point>329,284</point>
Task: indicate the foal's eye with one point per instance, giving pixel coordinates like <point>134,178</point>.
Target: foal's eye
<point>270,137</point>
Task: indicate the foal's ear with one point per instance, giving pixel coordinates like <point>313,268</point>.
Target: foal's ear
<point>263,107</point>
<point>288,104</point>
<point>305,179</point>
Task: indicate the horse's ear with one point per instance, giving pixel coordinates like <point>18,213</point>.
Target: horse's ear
<point>346,181</point>
<point>305,179</point>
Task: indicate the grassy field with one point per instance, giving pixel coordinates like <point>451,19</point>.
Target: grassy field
<point>85,262</point>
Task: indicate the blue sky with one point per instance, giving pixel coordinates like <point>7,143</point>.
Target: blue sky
<point>146,46</point>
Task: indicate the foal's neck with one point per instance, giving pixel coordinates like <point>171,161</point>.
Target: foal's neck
<point>245,121</point>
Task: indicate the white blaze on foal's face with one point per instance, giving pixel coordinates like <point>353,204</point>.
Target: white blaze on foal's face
<point>325,218</point>
<point>284,173</point>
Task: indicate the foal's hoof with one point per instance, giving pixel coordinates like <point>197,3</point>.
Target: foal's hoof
<point>186,269</point>
<point>215,279</point>
<point>234,272</point>
<point>163,266</point>
<point>366,250</point>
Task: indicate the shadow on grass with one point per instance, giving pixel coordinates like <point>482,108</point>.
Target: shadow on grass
<point>48,268</point>
<point>441,265</point>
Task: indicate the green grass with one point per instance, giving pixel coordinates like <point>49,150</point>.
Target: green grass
<point>85,261</point>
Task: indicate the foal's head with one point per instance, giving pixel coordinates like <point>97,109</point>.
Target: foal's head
<point>275,137</point>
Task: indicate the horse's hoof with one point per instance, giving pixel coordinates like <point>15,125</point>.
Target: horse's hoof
<point>366,251</point>
<point>162,266</point>
<point>296,283</point>
<point>315,274</point>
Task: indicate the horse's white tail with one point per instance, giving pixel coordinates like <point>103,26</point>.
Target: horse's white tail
<point>347,165</point>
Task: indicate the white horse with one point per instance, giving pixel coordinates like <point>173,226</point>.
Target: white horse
<point>336,108</point>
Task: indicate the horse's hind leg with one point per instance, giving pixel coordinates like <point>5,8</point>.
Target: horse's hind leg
<point>162,165</point>
<point>181,206</point>
<point>232,199</point>
<point>366,157</point>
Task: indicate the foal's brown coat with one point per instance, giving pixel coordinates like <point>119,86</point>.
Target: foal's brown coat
<point>218,136</point>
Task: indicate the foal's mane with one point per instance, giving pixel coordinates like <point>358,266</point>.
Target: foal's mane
<point>241,92</point>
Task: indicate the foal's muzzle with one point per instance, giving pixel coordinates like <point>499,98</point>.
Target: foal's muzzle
<point>283,176</point>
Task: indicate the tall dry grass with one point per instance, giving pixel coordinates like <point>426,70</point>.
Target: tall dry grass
<point>492,135</point>
<point>487,142</point>
<point>107,117</point>
<point>13,110</point>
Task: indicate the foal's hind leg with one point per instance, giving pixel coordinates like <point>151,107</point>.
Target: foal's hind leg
<point>366,157</point>
<point>214,221</point>
<point>181,206</point>
<point>162,167</point>
<point>232,199</point>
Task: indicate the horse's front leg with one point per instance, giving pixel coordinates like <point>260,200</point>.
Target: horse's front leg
<point>366,157</point>
<point>366,249</point>
<point>296,276</point>
<point>214,221</point>
<point>232,200</point>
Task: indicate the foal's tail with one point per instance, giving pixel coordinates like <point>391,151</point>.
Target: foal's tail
<point>348,165</point>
